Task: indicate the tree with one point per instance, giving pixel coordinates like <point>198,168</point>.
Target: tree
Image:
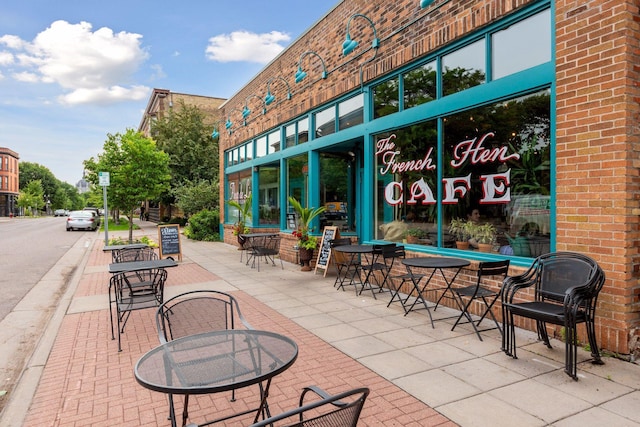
<point>138,171</point>
<point>193,154</point>
<point>193,198</point>
<point>57,192</point>
<point>32,197</point>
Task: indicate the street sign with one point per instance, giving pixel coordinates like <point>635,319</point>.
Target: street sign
<point>103,178</point>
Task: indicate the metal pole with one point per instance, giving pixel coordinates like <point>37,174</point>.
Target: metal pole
<point>106,216</point>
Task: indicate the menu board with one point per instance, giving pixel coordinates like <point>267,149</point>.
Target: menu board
<point>324,251</point>
<point>169,238</point>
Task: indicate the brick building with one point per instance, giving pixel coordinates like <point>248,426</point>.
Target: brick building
<point>9,181</point>
<point>526,110</point>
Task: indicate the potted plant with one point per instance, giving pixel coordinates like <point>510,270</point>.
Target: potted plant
<point>306,243</point>
<point>244,213</point>
<point>461,229</point>
<point>484,235</point>
<point>414,234</point>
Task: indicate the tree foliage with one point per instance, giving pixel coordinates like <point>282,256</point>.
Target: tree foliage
<point>32,197</point>
<point>138,171</point>
<point>62,195</point>
<point>192,198</point>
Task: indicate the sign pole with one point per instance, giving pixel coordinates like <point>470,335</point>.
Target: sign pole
<point>103,178</point>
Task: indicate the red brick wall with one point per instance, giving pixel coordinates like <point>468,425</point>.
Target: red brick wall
<point>597,121</point>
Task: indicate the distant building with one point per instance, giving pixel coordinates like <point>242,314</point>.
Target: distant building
<point>82,186</point>
<point>9,181</point>
<point>160,102</point>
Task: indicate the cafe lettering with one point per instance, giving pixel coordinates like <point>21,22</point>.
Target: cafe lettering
<point>495,187</point>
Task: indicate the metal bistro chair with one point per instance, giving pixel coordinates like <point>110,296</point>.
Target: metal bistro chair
<point>129,291</point>
<point>267,247</point>
<point>566,287</point>
<point>341,261</point>
<point>135,254</point>
<point>193,313</point>
<point>382,261</point>
<point>479,292</point>
<point>399,253</point>
<point>339,410</point>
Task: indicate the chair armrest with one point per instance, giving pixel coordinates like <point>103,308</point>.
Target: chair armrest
<point>320,393</point>
<point>512,284</point>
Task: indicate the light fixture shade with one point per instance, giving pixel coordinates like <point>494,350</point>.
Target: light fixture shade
<point>348,45</point>
<point>300,75</point>
<point>228,124</point>
<point>425,3</point>
<point>215,133</point>
<point>269,98</point>
<point>245,112</point>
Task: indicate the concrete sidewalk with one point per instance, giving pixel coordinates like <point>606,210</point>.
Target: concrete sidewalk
<point>419,376</point>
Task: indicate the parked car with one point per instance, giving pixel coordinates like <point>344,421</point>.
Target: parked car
<point>96,213</point>
<point>82,220</point>
<point>60,212</point>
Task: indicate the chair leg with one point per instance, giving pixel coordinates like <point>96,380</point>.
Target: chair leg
<point>595,351</point>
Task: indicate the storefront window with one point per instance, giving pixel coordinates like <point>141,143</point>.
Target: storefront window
<point>326,122</point>
<point>290,135</point>
<point>249,151</point>
<point>261,147</point>
<point>274,142</point>
<point>350,112</point>
<point>303,131</point>
<point>496,162</point>
<point>385,98</point>
<point>508,55</point>
<point>420,85</point>
<point>239,189</point>
<point>464,68</point>
<point>269,194</point>
<point>297,174</point>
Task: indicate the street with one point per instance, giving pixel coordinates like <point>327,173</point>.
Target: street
<point>28,249</point>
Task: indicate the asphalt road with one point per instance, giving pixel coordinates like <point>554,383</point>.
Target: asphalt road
<point>29,247</point>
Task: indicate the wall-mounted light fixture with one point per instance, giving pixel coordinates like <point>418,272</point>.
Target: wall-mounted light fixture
<point>269,98</point>
<point>300,74</point>
<point>215,132</point>
<point>425,3</point>
<point>228,125</point>
<point>246,112</point>
<point>349,45</point>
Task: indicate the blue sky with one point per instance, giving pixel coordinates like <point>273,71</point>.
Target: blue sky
<point>73,71</point>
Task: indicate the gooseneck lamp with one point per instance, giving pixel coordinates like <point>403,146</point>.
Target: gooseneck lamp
<point>425,3</point>
<point>349,44</point>
<point>301,74</point>
<point>269,98</point>
<point>246,112</point>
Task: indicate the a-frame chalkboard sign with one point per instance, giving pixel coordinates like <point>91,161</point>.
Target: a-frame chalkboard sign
<point>324,251</point>
<point>169,241</point>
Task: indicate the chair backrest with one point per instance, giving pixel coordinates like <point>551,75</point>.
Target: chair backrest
<point>197,312</point>
<point>135,254</point>
<point>559,271</point>
<point>340,410</point>
<point>139,289</point>
<point>493,268</point>
<point>272,244</point>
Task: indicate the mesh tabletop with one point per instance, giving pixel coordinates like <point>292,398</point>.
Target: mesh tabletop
<point>215,361</point>
<point>436,262</point>
<point>119,267</point>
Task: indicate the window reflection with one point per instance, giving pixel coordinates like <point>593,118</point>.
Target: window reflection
<point>337,190</point>
<point>269,194</point>
<point>464,68</point>
<point>297,174</point>
<point>274,141</point>
<point>420,85</point>
<point>261,147</point>
<point>326,122</point>
<point>303,131</point>
<point>350,112</point>
<point>290,135</point>
<point>522,45</point>
<point>385,98</point>
<point>239,189</point>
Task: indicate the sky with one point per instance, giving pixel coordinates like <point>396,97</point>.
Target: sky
<point>73,71</point>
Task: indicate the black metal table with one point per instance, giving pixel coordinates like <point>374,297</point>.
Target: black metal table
<point>119,267</point>
<point>114,249</point>
<point>215,362</point>
<point>434,264</point>
<point>354,264</point>
<point>253,240</point>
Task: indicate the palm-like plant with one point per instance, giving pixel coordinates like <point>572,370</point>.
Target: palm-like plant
<point>306,215</point>
<point>244,213</point>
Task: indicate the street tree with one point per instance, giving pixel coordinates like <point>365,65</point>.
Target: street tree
<point>32,197</point>
<point>137,169</point>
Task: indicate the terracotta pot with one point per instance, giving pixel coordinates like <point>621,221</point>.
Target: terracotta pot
<point>412,239</point>
<point>485,247</point>
<point>305,256</point>
<point>462,245</point>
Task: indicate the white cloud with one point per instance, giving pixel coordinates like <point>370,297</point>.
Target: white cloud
<point>26,77</point>
<point>6,58</point>
<point>87,64</point>
<point>246,46</point>
<point>105,95</point>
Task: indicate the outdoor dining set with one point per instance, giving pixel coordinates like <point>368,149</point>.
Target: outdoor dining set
<point>206,346</point>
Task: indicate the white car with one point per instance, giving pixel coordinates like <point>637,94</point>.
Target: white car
<point>82,220</point>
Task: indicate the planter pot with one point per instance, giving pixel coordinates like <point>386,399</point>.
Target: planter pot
<point>305,256</point>
<point>462,245</point>
<point>412,239</point>
<point>485,247</point>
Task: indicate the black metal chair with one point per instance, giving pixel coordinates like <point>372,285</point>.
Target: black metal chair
<point>339,410</point>
<point>566,287</point>
<point>479,292</point>
<point>340,260</point>
<point>400,254</point>
<point>135,254</point>
<point>267,247</point>
<point>193,313</point>
<point>130,291</point>
<point>379,267</point>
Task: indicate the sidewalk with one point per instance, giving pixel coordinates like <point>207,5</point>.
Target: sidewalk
<point>418,376</point>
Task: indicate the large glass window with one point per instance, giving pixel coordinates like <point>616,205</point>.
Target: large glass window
<point>269,194</point>
<point>522,45</point>
<point>290,135</point>
<point>297,179</point>
<point>261,147</point>
<point>495,170</point>
<point>239,189</point>
<point>350,112</point>
<point>303,131</point>
<point>385,98</point>
<point>420,85</point>
<point>337,190</point>
<point>326,122</point>
<point>464,68</point>
<point>274,141</point>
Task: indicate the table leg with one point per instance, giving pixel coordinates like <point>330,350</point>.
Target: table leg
<point>419,296</point>
<point>448,288</point>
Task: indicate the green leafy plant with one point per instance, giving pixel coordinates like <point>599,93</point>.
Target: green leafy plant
<point>244,213</point>
<point>482,233</point>
<point>415,232</point>
<point>461,229</point>
<point>306,216</point>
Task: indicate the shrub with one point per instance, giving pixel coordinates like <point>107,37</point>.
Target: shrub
<point>204,226</point>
